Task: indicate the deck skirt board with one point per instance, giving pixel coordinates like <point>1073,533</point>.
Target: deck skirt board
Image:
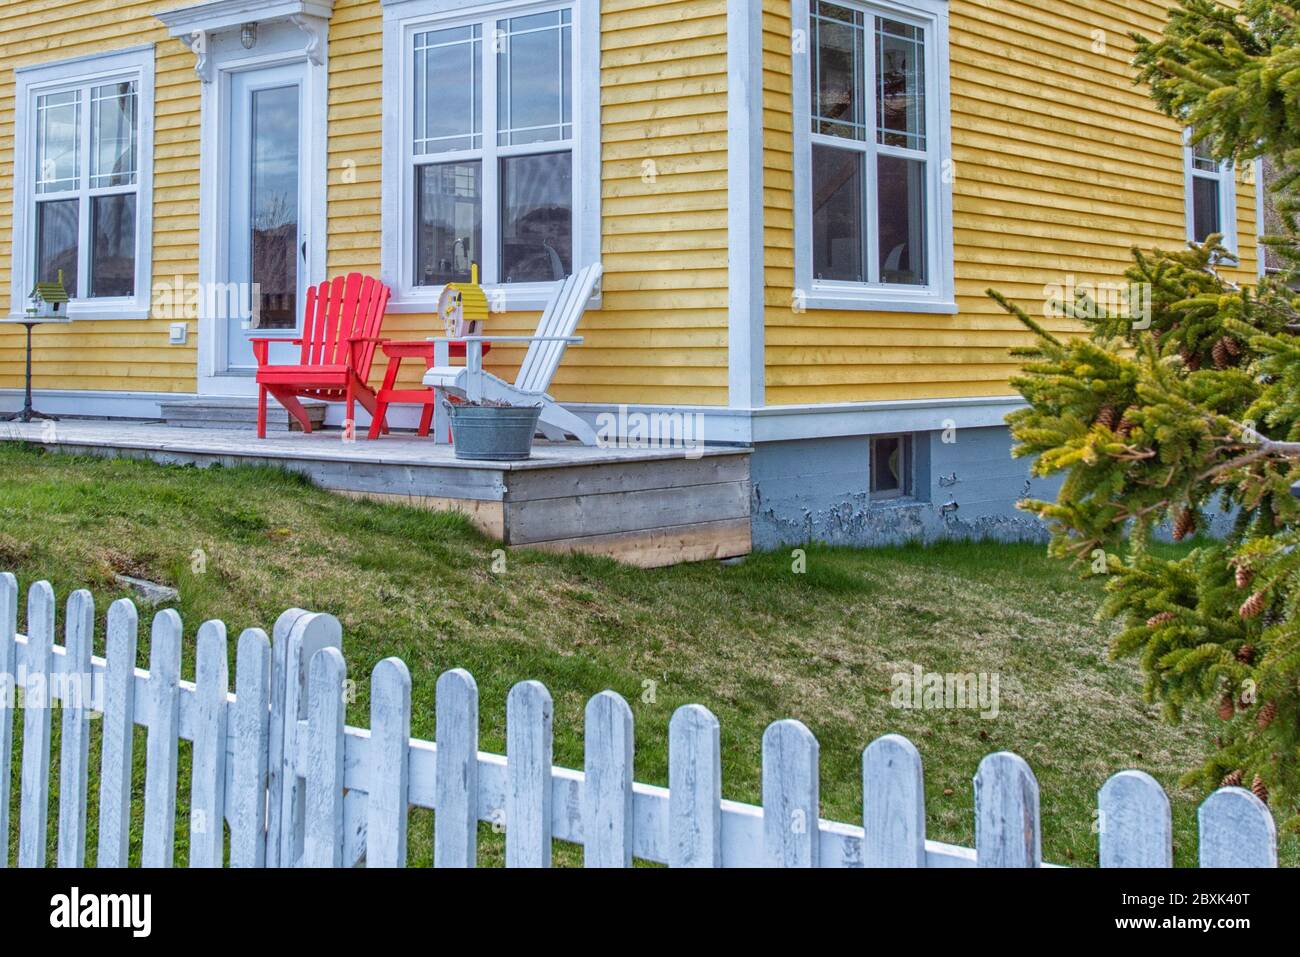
<point>544,520</point>
<point>645,507</point>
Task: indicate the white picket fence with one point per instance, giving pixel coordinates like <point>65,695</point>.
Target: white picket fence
<point>298,787</point>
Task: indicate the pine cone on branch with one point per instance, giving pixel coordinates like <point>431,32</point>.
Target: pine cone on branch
<point>1252,605</point>
<point>1126,426</point>
<point>1227,708</point>
<point>1231,780</point>
<point>1163,618</point>
<point>1222,353</point>
<point>1108,417</point>
<point>1232,345</point>
<point>1190,359</point>
<point>1185,524</point>
<point>1245,575</point>
<point>1267,714</point>
<point>1258,789</point>
<point>1246,653</point>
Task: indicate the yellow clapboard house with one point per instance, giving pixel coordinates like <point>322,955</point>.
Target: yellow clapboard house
<point>798,206</point>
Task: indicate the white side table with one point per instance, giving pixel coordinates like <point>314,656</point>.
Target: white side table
<point>27,413</point>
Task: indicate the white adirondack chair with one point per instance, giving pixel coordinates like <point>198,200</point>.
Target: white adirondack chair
<point>545,350</point>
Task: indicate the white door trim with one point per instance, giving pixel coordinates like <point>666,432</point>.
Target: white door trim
<point>278,43</point>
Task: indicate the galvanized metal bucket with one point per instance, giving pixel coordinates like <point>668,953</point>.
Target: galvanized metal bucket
<point>493,433</point>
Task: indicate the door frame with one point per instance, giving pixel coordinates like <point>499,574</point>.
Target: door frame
<point>279,43</point>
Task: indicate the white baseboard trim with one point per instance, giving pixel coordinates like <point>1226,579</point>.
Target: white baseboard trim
<point>722,425</point>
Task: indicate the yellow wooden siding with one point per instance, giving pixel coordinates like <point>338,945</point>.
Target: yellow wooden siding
<point>113,355</point>
<point>1062,165</point>
<point>661,334</point>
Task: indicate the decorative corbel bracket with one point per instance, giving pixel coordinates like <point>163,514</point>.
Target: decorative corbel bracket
<point>316,29</point>
<point>198,42</point>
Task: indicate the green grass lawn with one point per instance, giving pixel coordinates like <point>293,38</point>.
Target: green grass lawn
<point>754,642</point>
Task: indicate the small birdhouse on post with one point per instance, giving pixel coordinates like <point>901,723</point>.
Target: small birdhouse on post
<point>49,300</point>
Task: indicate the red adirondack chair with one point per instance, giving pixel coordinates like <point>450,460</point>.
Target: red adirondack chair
<point>340,331</point>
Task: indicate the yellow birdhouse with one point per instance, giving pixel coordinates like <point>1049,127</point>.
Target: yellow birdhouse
<point>463,307</point>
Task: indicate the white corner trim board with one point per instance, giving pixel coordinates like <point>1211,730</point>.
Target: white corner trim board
<point>746,371</point>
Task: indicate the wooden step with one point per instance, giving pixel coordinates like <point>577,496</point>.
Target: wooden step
<point>237,413</point>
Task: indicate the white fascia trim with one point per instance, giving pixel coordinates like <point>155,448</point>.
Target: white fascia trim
<point>225,14</point>
<point>940,297</point>
<point>93,403</point>
<point>31,80</point>
<point>401,19</point>
<point>746,386</point>
<point>724,425</point>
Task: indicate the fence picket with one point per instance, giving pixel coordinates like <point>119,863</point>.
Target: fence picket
<point>34,787</point>
<point>1006,813</point>
<point>1237,830</point>
<point>323,818</point>
<point>1135,828</point>
<point>208,782</point>
<point>694,788</point>
<point>893,804</point>
<point>247,802</point>
<point>74,743</point>
<point>8,699</point>
<point>118,737</point>
<point>161,744</point>
<point>455,821</point>
<point>304,635</point>
<point>277,765</point>
<point>389,769</point>
<point>529,713</point>
<point>791,795</point>
<point>607,789</point>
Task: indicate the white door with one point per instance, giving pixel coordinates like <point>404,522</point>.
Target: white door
<point>266,243</point>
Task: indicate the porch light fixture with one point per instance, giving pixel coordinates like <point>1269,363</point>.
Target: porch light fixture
<point>248,35</point>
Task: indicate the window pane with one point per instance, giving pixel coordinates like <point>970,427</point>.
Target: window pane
<point>889,467</point>
<point>112,245</point>
<point>536,217</point>
<point>448,222</point>
<point>838,239</point>
<point>1205,208</point>
<point>837,72</point>
<point>58,141</point>
<point>533,86</point>
<point>448,90</point>
<point>274,214</point>
<point>112,130</point>
<point>901,191</point>
<point>900,84</point>
<point>1202,159</point>
<point>56,242</point>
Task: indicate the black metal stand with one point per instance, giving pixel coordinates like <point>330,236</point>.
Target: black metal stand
<point>27,413</point>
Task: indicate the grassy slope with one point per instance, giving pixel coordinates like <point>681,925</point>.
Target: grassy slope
<point>753,642</point>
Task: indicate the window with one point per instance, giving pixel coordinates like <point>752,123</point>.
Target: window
<point>1211,196</point>
<point>891,467</point>
<point>491,148</point>
<point>872,201</point>
<point>82,182</point>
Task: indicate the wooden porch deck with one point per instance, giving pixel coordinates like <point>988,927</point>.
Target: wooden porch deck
<point>645,507</point>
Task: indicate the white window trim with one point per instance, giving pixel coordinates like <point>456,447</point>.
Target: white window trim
<point>1227,180</point>
<point>939,296</point>
<point>402,19</point>
<point>134,63</point>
